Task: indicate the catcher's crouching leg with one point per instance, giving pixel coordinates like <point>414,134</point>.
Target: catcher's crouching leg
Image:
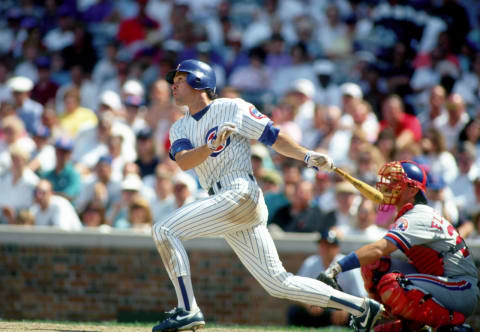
<point>414,304</point>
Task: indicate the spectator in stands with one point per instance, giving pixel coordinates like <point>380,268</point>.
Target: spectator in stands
<point>13,131</point>
<point>45,88</point>
<point>328,251</point>
<point>140,215</point>
<point>440,197</point>
<point>184,189</point>
<point>87,90</point>
<point>43,158</point>
<point>300,215</point>
<point>104,69</point>
<point>61,36</point>
<point>270,181</point>
<point>163,200</point>
<point>435,109</point>
<point>75,117</point>
<point>94,215</point>
<point>277,55</point>
<point>117,215</point>
<point>335,138</point>
<point>101,187</point>
<point>462,186</point>
<point>363,118</point>
<point>406,126</point>
<point>471,133</point>
<point>291,174</point>
<point>27,109</point>
<point>368,161</point>
<point>386,144</point>
<point>17,183</point>
<point>439,160</point>
<point>456,118</point>
<point>140,28</point>
<point>147,159</point>
<point>53,210</point>
<point>134,119</point>
<point>253,77</point>
<point>469,84</point>
<point>323,192</point>
<point>81,51</point>
<point>334,36</point>
<point>347,200</point>
<point>64,178</point>
<point>283,115</point>
<point>364,226</point>
<point>328,92</point>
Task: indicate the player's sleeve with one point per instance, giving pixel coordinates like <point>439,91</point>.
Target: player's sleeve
<point>405,234</point>
<point>254,125</point>
<point>179,140</point>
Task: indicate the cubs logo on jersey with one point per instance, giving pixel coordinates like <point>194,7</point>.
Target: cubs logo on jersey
<point>211,135</point>
<point>256,113</point>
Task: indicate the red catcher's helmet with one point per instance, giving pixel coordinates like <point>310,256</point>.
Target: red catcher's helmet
<point>394,177</point>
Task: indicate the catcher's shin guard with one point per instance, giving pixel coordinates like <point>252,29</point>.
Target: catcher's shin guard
<point>414,304</point>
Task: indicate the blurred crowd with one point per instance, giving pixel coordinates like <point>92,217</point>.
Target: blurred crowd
<point>85,111</point>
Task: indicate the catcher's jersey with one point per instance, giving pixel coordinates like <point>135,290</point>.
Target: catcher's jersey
<point>423,226</point>
<point>195,130</point>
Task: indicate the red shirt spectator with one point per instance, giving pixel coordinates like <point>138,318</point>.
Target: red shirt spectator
<point>406,127</point>
<point>137,28</point>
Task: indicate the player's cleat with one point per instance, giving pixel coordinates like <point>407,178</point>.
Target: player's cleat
<point>181,320</point>
<point>365,322</point>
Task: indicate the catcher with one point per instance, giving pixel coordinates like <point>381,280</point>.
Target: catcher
<point>438,285</point>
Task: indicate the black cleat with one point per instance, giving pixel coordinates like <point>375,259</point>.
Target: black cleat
<point>181,320</point>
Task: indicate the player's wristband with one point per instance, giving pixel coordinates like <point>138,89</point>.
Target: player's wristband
<point>349,262</point>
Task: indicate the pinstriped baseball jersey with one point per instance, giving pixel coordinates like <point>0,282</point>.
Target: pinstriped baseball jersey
<point>423,226</point>
<point>195,130</point>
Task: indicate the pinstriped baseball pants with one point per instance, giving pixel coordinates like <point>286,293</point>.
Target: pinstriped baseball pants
<point>238,213</point>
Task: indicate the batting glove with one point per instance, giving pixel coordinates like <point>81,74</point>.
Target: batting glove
<point>318,160</point>
<point>223,132</point>
<point>333,270</point>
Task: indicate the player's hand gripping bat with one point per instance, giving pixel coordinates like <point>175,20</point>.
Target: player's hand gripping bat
<point>365,189</point>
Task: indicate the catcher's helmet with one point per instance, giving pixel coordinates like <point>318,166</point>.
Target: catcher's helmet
<point>396,176</point>
<point>200,75</point>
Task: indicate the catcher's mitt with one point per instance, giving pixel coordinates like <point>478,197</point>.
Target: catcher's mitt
<point>332,282</point>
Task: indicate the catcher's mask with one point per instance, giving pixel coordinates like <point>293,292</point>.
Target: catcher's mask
<point>396,176</point>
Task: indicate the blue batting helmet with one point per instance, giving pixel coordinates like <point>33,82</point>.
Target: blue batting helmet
<point>200,75</point>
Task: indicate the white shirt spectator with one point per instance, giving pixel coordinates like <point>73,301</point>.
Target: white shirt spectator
<point>60,213</point>
<point>17,195</point>
<point>56,39</point>
<point>46,157</point>
<point>451,133</point>
<point>161,208</point>
<point>443,164</point>
<point>371,233</point>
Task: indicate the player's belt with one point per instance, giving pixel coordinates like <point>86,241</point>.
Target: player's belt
<point>218,185</point>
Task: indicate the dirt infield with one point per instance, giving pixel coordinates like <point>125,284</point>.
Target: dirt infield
<point>72,327</point>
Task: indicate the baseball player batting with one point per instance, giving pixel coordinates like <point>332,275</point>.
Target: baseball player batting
<point>213,138</point>
<point>437,286</point>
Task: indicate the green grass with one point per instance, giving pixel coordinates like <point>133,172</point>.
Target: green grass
<point>112,326</point>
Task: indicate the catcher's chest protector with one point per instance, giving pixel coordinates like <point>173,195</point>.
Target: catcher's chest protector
<point>426,260</point>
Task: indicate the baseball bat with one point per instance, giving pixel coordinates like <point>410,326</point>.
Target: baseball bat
<point>365,189</point>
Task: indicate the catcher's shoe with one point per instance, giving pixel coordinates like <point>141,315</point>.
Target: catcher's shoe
<point>365,322</point>
<point>181,320</point>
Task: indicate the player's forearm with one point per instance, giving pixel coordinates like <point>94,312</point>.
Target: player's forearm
<point>288,147</point>
<point>374,251</point>
<point>189,159</point>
